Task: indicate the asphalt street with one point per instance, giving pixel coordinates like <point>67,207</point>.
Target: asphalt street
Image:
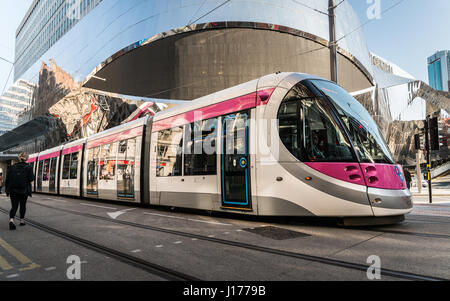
<point>215,247</point>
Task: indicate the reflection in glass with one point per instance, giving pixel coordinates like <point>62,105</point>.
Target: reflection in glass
<point>200,149</point>
<point>125,168</point>
<point>169,156</point>
<point>364,132</point>
<point>39,176</point>
<point>108,162</point>
<point>92,170</point>
<point>66,167</point>
<point>52,180</point>
<point>74,166</point>
<point>46,170</point>
<point>309,131</point>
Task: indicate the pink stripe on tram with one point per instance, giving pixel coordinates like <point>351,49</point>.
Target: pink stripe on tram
<point>48,156</point>
<point>384,176</point>
<point>237,104</point>
<point>348,172</point>
<point>31,160</point>
<point>72,149</point>
<point>234,105</point>
<point>116,137</point>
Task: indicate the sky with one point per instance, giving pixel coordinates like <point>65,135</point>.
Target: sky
<point>405,35</point>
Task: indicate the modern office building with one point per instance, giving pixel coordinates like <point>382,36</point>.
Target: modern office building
<point>439,70</point>
<point>43,25</point>
<point>15,100</point>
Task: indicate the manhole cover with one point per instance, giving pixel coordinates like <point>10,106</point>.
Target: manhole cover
<point>276,233</point>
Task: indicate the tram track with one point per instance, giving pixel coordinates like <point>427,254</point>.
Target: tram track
<point>147,266</point>
<point>267,250</point>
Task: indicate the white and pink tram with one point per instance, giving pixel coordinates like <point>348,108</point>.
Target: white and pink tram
<point>286,144</point>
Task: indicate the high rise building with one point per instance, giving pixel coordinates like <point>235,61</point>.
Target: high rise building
<point>43,25</point>
<point>439,70</point>
<point>15,100</point>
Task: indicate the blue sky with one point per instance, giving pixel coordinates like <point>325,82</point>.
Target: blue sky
<point>406,35</point>
<point>409,33</point>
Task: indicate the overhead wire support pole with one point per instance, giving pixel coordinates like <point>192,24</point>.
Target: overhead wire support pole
<point>333,43</point>
<point>428,148</point>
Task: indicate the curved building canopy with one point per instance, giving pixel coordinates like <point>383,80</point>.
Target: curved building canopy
<point>199,47</point>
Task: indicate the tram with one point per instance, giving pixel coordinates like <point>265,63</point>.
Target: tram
<point>286,144</point>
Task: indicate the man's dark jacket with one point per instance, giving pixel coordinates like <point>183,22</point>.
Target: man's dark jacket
<point>19,178</point>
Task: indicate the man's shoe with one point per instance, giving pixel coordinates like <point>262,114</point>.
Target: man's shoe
<point>22,224</point>
<point>12,226</point>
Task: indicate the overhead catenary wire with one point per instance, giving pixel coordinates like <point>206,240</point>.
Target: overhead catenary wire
<point>310,7</point>
<point>211,11</point>
<point>369,21</point>
<point>193,16</point>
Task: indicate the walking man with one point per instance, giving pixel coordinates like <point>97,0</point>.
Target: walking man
<point>18,187</point>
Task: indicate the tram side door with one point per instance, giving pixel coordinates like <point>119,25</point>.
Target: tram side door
<point>236,191</point>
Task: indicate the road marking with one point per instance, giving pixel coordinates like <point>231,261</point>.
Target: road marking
<point>115,215</point>
<point>211,236</point>
<point>159,246</point>
<point>5,264</point>
<point>50,269</point>
<point>194,239</point>
<point>104,207</point>
<point>12,276</point>
<point>136,251</point>
<point>14,252</point>
<point>178,242</point>
<point>226,233</point>
<point>187,219</point>
<point>32,266</point>
<point>62,201</point>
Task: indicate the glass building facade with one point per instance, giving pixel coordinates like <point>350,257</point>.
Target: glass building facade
<point>106,27</point>
<point>15,100</point>
<point>439,71</point>
<point>44,24</point>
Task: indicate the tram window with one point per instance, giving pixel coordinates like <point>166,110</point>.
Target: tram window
<point>364,132</point>
<point>39,176</point>
<point>125,168</point>
<point>200,152</point>
<point>92,170</point>
<point>309,131</point>
<point>46,170</point>
<point>66,167</point>
<point>74,166</point>
<point>108,161</point>
<point>52,175</point>
<point>169,156</point>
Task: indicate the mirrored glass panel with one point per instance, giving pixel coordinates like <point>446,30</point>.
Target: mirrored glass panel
<point>170,152</point>
<point>368,140</point>
<point>309,131</point>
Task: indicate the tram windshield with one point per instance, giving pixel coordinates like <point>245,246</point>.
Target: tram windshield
<point>309,131</point>
<point>364,132</point>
